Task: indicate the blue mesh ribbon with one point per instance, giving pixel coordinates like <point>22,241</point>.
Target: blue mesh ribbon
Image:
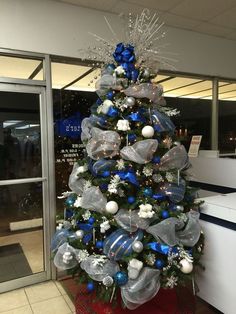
<point>128,175</point>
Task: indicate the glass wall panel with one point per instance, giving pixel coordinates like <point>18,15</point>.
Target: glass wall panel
<point>227,118</point>
<point>192,97</point>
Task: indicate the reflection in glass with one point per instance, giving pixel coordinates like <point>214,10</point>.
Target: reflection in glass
<point>19,136</point>
<point>21,230</point>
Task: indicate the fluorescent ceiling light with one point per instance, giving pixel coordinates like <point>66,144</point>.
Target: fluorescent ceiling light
<point>27,126</point>
<point>10,123</point>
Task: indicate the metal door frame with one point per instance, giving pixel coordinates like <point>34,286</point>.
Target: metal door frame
<point>43,88</point>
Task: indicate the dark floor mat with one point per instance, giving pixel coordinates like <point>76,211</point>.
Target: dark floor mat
<point>13,263</point>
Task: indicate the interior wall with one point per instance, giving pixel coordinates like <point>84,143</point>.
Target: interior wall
<point>62,29</point>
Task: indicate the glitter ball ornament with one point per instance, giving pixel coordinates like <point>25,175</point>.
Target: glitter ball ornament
<point>121,278</point>
<point>131,199</point>
<point>185,266</point>
<point>147,131</point>
<point>112,207</point>
<point>79,234</point>
<point>108,281</point>
<point>137,246</point>
<point>159,264</point>
<point>90,286</point>
<point>130,101</point>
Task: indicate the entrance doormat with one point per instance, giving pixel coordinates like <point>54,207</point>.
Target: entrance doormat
<point>13,262</point>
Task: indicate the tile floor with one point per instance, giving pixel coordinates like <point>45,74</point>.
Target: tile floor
<point>44,298</point>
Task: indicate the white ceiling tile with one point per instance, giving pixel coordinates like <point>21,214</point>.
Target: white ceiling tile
<point>162,5</point>
<point>179,21</point>
<point>202,9</point>
<point>231,36</point>
<point>104,5</point>
<point>125,7</point>
<point>226,19</point>
<point>211,29</point>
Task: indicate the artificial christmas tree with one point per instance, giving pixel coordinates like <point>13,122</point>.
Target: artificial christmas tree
<point>131,222</point>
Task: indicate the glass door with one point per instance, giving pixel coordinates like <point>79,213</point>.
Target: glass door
<point>24,196</point>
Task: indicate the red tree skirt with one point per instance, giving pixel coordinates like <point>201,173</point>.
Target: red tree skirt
<point>167,301</point>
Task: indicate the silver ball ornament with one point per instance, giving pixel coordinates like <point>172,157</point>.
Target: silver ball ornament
<point>180,207</point>
<point>130,101</point>
<point>185,266</point>
<point>108,281</point>
<point>146,73</point>
<point>137,246</point>
<point>79,234</point>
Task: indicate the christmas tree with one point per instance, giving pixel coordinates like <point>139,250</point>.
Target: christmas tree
<point>132,224</point>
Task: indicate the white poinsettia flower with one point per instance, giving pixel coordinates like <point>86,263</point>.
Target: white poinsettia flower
<point>119,70</point>
<point>146,211</point>
<point>105,106</point>
<point>82,169</point>
<point>123,125</point>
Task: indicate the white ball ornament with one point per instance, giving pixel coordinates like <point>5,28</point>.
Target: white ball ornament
<point>112,207</point>
<point>186,266</point>
<point>147,131</point>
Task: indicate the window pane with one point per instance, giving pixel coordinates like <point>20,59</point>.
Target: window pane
<point>20,144</point>
<point>21,68</point>
<point>21,234</point>
<point>227,117</point>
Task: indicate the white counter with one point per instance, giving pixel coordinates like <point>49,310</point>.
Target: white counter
<point>217,283</point>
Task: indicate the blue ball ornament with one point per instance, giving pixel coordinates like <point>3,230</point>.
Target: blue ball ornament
<point>69,213</point>
<point>103,186</point>
<point>132,137</point>
<point>165,214</point>
<point>70,201</point>
<point>106,174</point>
<point>121,278</point>
<point>159,264</point>
<point>156,160</point>
<point>90,287</point>
<point>110,95</point>
<point>91,220</point>
<point>99,244</point>
<point>131,199</point>
<point>147,192</point>
<point>99,101</point>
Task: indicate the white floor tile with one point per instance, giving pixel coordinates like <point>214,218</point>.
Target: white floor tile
<point>12,300</point>
<point>43,291</point>
<point>52,306</point>
<point>60,287</point>
<point>69,302</point>
<point>20,310</point>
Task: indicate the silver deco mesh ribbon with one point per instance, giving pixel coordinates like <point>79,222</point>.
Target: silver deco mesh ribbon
<point>175,158</point>
<point>173,231</point>
<point>75,183</point>
<point>103,144</point>
<point>65,257</point>
<point>108,81</point>
<point>139,291</point>
<point>145,90</point>
<point>93,199</point>
<point>175,191</point>
<point>141,152</point>
<point>97,268</point>
<point>131,221</point>
<point>86,127</point>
